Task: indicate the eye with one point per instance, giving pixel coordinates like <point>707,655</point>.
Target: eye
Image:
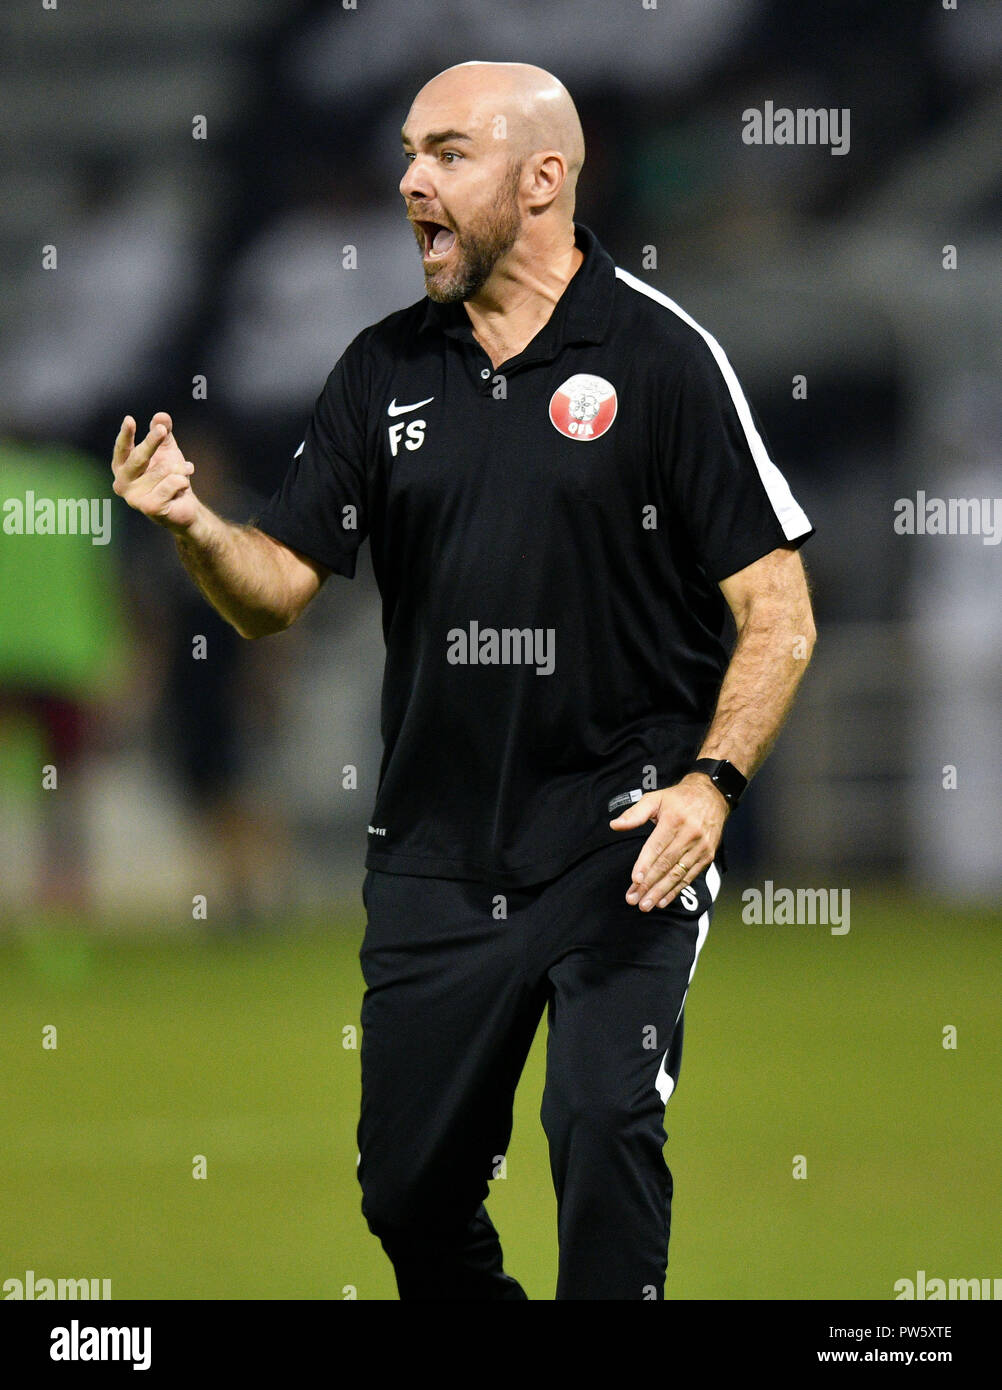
<point>408,155</point>
<point>451,154</point>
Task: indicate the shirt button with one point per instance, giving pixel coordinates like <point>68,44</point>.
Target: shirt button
<point>485,373</point>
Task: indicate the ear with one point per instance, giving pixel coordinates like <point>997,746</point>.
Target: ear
<point>543,177</point>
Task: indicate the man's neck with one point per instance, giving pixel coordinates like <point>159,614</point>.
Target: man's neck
<point>517,301</point>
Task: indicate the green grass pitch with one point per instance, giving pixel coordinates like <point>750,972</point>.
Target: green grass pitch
<point>798,1042</point>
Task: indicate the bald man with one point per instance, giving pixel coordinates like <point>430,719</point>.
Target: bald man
<point>566,494</point>
<point>520,150</point>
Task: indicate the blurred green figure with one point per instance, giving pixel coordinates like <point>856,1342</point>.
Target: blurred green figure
<point>62,650</point>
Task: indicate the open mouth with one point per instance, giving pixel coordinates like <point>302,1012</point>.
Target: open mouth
<point>438,239</point>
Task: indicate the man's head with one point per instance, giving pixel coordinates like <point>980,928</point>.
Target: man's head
<point>493,154</point>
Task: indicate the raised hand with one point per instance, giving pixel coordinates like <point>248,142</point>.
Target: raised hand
<point>154,477</point>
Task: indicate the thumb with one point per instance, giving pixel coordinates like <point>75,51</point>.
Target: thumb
<point>643,810</point>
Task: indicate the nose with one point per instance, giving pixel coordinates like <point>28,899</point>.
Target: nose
<point>416,182</point>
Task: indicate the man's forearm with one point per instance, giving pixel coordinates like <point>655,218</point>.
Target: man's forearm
<point>239,571</point>
<point>768,664</point>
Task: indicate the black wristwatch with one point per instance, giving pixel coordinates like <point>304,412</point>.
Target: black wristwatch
<point>725,777</point>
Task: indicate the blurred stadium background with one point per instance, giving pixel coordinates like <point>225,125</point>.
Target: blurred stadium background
<point>207,276</point>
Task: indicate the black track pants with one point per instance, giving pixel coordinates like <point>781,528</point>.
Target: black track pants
<point>457,976</point>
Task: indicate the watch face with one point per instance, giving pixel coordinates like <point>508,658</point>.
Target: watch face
<point>731,793</point>
<point>725,777</point>
<point>731,782</point>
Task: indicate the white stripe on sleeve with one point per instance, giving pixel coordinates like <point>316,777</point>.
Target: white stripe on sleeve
<point>790,515</point>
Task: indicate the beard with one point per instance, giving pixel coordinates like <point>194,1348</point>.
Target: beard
<point>478,247</point>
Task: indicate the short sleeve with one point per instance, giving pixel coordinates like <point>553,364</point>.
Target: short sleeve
<point>321,508</point>
<point>732,500</point>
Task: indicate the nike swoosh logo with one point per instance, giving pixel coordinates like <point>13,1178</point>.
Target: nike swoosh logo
<point>394,409</point>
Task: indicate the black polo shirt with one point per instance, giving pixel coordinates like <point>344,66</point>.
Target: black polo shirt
<point>547,537</point>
